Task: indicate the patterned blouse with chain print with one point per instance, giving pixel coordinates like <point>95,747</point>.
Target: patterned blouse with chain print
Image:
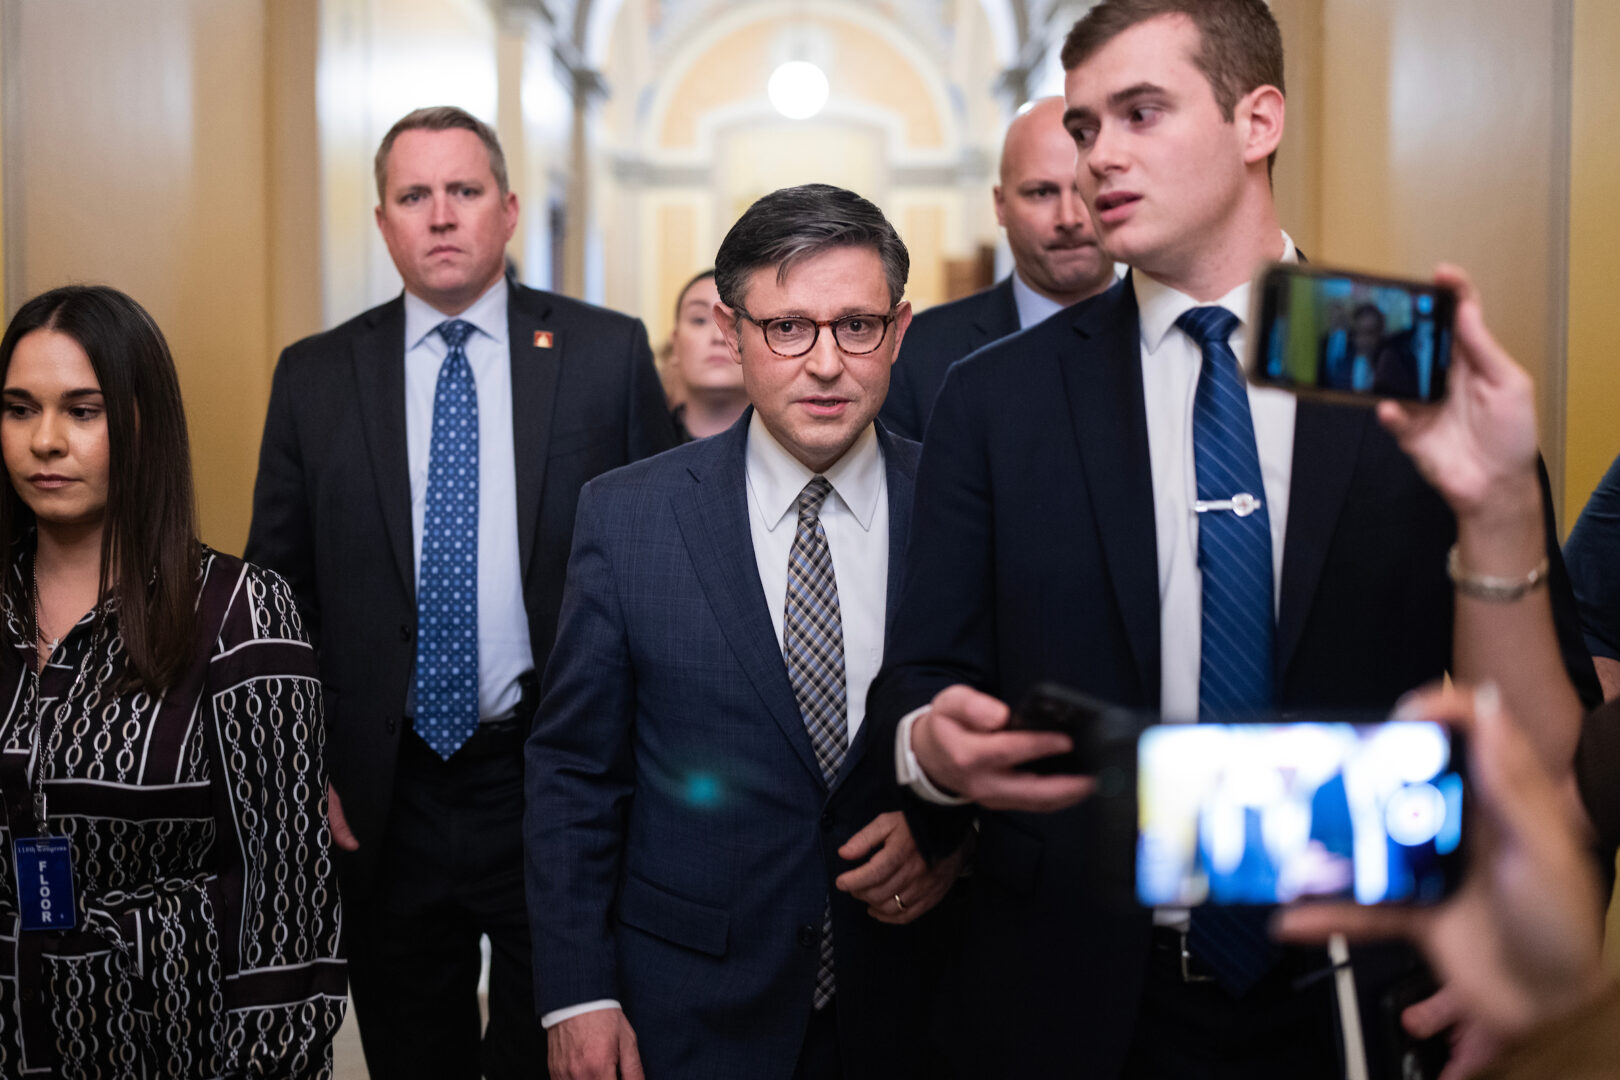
<point>206,943</point>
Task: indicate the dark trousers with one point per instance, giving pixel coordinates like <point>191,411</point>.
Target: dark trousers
<point>451,869</point>
<point>1197,1031</point>
<point>819,1056</point>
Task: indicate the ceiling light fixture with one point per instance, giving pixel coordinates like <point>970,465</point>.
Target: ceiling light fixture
<point>798,89</point>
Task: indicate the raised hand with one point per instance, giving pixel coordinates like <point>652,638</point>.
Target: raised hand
<point>1478,447</point>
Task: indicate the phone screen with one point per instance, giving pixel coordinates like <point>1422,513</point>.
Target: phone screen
<point>1352,335</point>
<point>1270,813</point>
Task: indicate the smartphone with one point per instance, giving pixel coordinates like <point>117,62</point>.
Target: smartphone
<point>1268,813</point>
<point>1350,336</point>
<point>1052,707</point>
<point>1105,737</point>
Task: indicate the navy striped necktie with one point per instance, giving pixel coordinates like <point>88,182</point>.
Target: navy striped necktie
<point>1234,542</point>
<point>1235,567</point>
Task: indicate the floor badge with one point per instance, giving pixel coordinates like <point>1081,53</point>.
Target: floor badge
<point>45,883</point>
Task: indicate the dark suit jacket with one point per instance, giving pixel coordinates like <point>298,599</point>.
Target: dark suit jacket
<point>1034,557</point>
<point>1597,763</point>
<point>681,840</point>
<point>332,506</point>
<point>936,339</point>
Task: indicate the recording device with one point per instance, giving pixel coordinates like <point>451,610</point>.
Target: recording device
<point>1105,737</point>
<point>1085,720</point>
<point>1268,813</point>
<point>1350,336</point>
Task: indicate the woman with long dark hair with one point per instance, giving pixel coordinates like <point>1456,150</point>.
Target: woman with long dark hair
<point>167,903</point>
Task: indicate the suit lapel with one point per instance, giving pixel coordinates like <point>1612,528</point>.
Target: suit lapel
<point>712,514</point>
<point>379,371</point>
<point>1327,441</point>
<point>534,390</point>
<point>900,473</point>
<point>998,318</point>
<point>1102,374</point>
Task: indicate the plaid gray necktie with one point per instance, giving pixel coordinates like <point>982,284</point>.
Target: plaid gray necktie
<point>813,644</point>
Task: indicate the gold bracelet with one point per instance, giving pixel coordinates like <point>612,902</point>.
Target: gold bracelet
<point>1496,590</point>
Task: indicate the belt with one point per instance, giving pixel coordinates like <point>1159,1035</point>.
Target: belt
<point>1299,970</point>
<point>522,713</point>
<point>502,735</point>
<point>1170,944</point>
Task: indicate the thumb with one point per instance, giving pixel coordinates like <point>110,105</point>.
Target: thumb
<point>1480,348</point>
<point>1432,1015</point>
<point>342,835</point>
<point>972,709</point>
<point>868,839</point>
<point>1397,419</point>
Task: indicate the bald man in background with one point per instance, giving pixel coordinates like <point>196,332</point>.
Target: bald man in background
<point>1056,263</point>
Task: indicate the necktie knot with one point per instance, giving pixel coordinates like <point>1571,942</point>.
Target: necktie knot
<point>810,499</point>
<point>455,332</point>
<point>1208,325</point>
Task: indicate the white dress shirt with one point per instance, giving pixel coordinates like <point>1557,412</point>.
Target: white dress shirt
<point>855,517</point>
<point>1171,361</point>
<point>504,652</point>
<point>1170,364</point>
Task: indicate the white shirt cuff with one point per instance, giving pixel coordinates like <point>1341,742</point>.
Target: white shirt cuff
<point>557,1016</point>
<point>908,770</point>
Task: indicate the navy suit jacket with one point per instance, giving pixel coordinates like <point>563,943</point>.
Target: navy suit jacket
<point>332,507</point>
<point>681,841</point>
<point>936,339</point>
<point>1034,557</point>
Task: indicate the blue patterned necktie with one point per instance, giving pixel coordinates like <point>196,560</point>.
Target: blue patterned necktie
<point>1234,562</point>
<point>447,590</point>
<point>813,642</point>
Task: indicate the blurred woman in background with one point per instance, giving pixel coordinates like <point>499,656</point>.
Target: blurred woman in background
<point>703,383</point>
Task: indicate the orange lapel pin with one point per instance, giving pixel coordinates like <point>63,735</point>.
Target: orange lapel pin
<point>542,339</point>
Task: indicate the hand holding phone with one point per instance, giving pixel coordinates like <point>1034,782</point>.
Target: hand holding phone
<point>963,745</point>
<point>1351,336</point>
<point>1479,448</point>
<point>1051,707</point>
<point>1521,943</point>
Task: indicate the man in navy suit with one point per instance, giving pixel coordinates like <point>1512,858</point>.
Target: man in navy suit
<point>713,845</point>
<point>1063,531</point>
<point>550,392</point>
<point>1056,262</point>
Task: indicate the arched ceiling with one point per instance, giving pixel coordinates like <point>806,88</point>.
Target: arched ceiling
<point>883,67</point>
<point>1024,34</point>
<point>593,20</point>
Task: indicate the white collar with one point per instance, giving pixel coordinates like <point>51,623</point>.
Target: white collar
<point>1158,306</point>
<point>776,477</point>
<point>487,315</point>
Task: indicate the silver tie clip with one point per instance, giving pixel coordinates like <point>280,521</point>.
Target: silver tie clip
<point>1242,504</point>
